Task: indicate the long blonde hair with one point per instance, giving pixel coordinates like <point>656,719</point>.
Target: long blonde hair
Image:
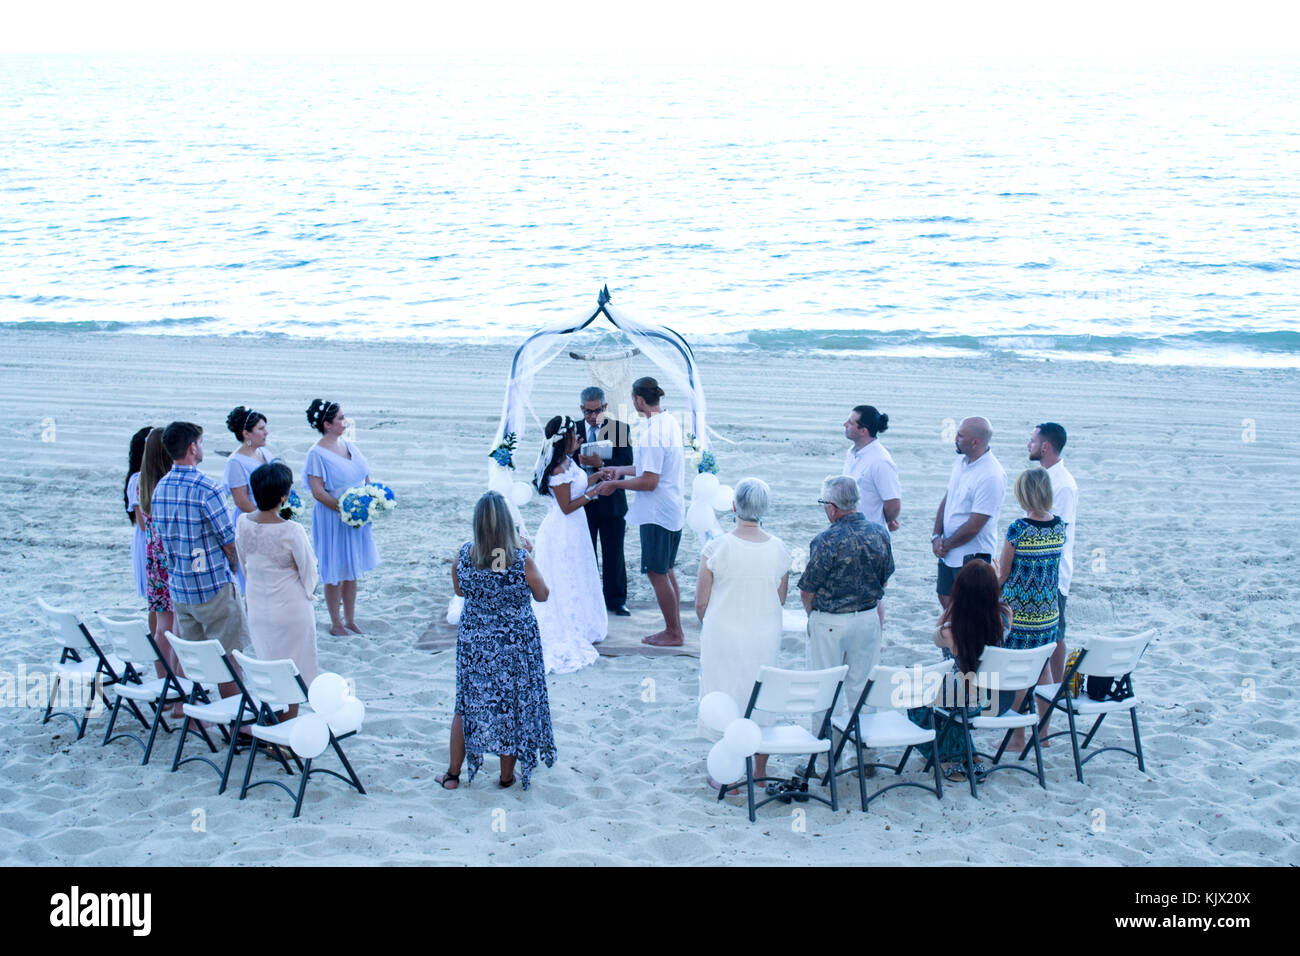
<point>156,464</point>
<point>495,538</point>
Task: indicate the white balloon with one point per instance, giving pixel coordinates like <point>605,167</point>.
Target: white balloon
<point>309,736</point>
<point>725,765</point>
<point>705,485</point>
<point>718,710</point>
<point>723,497</point>
<point>521,493</point>
<point>498,480</point>
<point>348,717</point>
<point>743,737</point>
<point>699,516</point>
<point>326,693</point>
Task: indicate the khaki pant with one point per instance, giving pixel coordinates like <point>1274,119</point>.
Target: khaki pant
<point>835,639</point>
<point>220,619</point>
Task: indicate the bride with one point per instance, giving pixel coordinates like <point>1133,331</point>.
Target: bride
<point>574,617</point>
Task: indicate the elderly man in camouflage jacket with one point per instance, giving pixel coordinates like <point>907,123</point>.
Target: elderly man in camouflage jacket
<point>848,565</point>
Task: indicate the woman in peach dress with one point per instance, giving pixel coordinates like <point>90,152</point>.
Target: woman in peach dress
<point>281,574</point>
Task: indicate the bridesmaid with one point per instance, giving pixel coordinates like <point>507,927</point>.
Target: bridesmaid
<point>281,575</point>
<point>250,428</point>
<point>131,496</point>
<point>344,554</point>
<point>162,617</point>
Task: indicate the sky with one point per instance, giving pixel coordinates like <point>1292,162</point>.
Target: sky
<point>687,30</point>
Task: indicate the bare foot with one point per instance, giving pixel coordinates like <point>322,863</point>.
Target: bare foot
<point>715,787</point>
<point>351,626</point>
<point>338,630</point>
<point>663,639</point>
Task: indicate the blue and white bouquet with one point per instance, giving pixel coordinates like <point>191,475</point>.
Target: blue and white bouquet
<point>503,454</point>
<point>359,506</point>
<point>292,508</point>
<point>702,461</point>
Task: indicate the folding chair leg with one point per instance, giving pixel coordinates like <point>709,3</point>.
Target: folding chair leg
<point>938,774</point>
<point>1137,740</point>
<point>1088,739</point>
<point>1038,756</point>
<point>356,781</point>
<point>112,721</point>
<point>835,787</point>
<point>862,776</point>
<point>302,789</point>
<point>749,786</point>
<point>1074,743</point>
<point>970,757</point>
<point>231,749</point>
<point>903,763</point>
<point>248,769</point>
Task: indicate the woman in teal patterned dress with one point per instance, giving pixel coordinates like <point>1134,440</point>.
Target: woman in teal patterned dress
<point>1028,572</point>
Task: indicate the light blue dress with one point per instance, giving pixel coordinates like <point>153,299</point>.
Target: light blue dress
<point>342,553</point>
<point>137,538</point>
<point>238,468</point>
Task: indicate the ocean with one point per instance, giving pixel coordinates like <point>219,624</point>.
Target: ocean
<point>1144,213</point>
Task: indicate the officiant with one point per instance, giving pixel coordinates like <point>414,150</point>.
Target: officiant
<point>605,514</point>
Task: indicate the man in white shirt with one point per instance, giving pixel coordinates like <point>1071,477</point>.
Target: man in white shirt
<point>1045,447</point>
<point>657,476</point>
<point>872,467</point>
<point>966,525</point>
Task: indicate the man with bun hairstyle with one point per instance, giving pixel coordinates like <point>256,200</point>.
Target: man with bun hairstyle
<point>657,475</point>
<point>869,463</point>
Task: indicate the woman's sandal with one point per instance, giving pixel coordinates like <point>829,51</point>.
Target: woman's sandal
<point>445,778</point>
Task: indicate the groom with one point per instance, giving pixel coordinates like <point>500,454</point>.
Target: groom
<point>657,476</point>
<point>605,513</point>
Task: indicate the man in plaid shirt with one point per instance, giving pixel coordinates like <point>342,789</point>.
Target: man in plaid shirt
<point>196,532</point>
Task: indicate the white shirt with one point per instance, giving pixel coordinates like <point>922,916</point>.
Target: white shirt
<point>1065,503</point>
<point>873,468</point>
<point>659,450</point>
<point>974,487</point>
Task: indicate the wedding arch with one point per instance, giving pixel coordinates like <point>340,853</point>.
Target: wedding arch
<point>664,347</point>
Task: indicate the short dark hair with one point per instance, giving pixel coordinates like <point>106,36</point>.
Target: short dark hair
<point>269,484</point>
<point>1054,433</point>
<point>870,419</point>
<point>178,437</point>
<point>648,389</point>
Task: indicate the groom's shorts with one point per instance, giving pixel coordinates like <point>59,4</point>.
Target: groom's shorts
<point>658,549</point>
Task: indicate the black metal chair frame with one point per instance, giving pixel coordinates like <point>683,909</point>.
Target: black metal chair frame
<point>165,698</point>
<point>799,794</point>
<point>1064,702</point>
<point>853,731</point>
<point>247,713</point>
<point>960,716</point>
<point>103,667</point>
<point>266,718</point>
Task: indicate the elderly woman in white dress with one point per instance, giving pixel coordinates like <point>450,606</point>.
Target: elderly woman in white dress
<point>281,572</point>
<point>738,597</point>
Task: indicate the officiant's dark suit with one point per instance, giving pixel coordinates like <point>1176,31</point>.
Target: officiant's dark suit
<point>605,514</point>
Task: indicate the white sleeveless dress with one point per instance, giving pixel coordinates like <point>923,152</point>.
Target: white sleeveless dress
<point>573,618</point>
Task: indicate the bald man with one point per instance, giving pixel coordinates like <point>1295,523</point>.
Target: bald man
<point>966,525</point>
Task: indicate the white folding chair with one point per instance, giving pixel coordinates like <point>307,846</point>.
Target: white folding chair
<point>1004,669</point>
<point>277,684</point>
<point>1099,657</point>
<point>891,691</point>
<point>83,666</point>
<point>205,662</point>
<point>139,682</point>
<point>793,692</point>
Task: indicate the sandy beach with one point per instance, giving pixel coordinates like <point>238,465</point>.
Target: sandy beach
<point>1186,523</point>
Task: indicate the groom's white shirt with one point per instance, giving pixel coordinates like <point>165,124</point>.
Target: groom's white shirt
<point>659,450</point>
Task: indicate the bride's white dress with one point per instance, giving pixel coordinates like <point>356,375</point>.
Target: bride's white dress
<point>573,618</point>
